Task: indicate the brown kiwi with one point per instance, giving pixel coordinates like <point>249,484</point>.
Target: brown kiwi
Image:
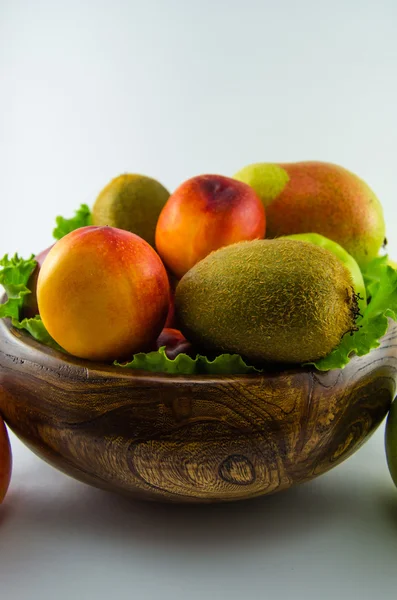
<point>268,300</point>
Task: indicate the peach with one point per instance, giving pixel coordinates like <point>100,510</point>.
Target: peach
<point>103,293</point>
<point>5,461</point>
<point>204,214</point>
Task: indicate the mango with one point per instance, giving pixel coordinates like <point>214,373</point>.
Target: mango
<point>319,197</point>
<point>103,293</point>
<point>204,214</point>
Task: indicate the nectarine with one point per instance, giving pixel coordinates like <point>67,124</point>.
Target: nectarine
<point>204,214</point>
<point>103,293</point>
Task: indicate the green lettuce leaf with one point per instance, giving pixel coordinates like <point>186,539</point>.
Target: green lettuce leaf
<point>14,277</point>
<point>374,271</point>
<point>37,330</point>
<point>158,362</point>
<point>381,285</point>
<point>224,364</point>
<point>82,218</point>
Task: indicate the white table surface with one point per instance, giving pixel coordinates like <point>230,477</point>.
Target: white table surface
<point>173,89</point>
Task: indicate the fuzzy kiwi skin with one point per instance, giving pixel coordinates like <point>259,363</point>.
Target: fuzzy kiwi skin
<point>268,300</point>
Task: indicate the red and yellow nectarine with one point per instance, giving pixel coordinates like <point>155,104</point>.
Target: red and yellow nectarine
<point>204,214</point>
<point>103,293</point>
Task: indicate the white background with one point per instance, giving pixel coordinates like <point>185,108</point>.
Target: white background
<point>173,89</point>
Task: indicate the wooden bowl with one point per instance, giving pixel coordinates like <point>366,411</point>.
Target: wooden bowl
<point>190,438</point>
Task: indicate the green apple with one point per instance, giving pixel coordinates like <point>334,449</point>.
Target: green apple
<point>344,257</point>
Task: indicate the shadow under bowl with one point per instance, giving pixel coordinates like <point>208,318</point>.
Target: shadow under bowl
<point>190,438</point>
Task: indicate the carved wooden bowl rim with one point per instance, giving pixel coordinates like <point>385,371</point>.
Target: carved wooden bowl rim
<point>21,336</point>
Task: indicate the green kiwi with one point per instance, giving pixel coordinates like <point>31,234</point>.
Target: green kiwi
<point>268,300</point>
<point>131,202</point>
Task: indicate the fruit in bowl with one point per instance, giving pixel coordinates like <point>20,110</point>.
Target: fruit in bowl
<point>320,198</point>
<point>268,300</point>
<point>174,343</point>
<point>203,214</point>
<point>131,202</point>
<point>103,293</point>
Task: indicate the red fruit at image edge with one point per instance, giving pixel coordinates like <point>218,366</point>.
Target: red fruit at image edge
<point>5,461</point>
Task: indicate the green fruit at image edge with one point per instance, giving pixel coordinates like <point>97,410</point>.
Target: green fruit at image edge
<point>344,257</point>
<point>131,202</point>
<point>391,441</point>
<point>267,300</point>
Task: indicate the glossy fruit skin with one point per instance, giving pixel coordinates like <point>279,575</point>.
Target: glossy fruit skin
<point>391,441</point>
<point>322,198</point>
<point>30,307</point>
<point>103,293</point>
<point>204,214</point>
<point>175,343</point>
<point>5,461</point>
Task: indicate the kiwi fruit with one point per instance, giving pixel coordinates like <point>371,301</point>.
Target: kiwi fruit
<point>269,300</point>
<point>131,202</point>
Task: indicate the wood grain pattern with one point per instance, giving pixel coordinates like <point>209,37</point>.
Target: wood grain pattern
<point>193,438</point>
